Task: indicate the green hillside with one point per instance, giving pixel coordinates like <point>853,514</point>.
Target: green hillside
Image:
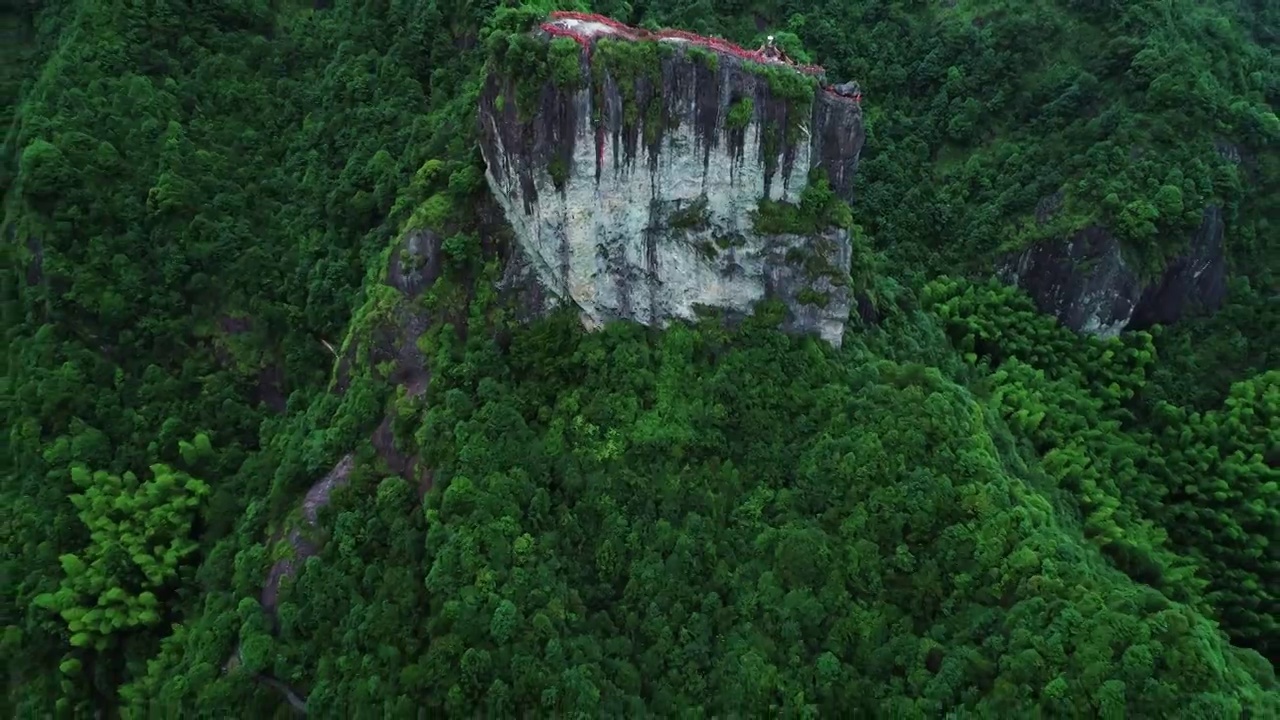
<point>967,511</point>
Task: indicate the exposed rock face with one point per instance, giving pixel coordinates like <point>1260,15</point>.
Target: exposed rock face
<point>414,268</point>
<point>648,215</point>
<point>414,265</point>
<point>1197,279</point>
<point>1086,283</point>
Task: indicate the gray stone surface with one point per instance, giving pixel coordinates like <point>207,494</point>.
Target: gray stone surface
<point>649,224</point>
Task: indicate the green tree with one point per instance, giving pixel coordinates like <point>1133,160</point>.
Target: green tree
<point>140,533</point>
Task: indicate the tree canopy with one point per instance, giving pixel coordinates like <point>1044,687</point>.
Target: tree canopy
<point>228,494</point>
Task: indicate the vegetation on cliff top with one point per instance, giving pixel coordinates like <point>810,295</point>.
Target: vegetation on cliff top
<point>965,509</point>
<point>532,63</point>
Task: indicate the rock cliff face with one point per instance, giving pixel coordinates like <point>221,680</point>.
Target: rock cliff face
<point>633,189</point>
<point>1086,283</point>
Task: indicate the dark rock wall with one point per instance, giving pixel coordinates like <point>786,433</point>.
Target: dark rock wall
<point>690,93</point>
<point>1085,282</point>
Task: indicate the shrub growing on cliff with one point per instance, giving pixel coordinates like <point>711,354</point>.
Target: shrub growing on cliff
<point>818,210</point>
<point>625,62</point>
<point>795,89</point>
<point>815,298</point>
<point>522,60</point>
<point>564,56</point>
<point>740,114</point>
<point>693,216</point>
<point>530,62</point>
<point>559,171</point>
<point>708,59</point>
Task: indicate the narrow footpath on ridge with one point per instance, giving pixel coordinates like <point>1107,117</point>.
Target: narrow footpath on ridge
<point>585,27</point>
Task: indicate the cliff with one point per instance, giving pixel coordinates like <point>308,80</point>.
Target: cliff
<point>1087,284</point>
<point>648,176</point>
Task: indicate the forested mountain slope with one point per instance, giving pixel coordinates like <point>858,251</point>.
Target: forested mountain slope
<point>245,242</point>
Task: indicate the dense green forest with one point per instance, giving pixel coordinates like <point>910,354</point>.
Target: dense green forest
<point>967,510</point>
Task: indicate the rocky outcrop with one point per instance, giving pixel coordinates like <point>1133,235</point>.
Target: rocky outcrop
<point>300,546</point>
<point>1086,283</point>
<point>415,263</point>
<point>1197,280</point>
<point>633,193</point>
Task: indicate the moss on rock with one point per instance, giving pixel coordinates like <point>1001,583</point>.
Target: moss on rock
<point>693,217</point>
<point>559,171</point>
<point>809,296</point>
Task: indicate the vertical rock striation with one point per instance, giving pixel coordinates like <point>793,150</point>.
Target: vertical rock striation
<point>634,189</point>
